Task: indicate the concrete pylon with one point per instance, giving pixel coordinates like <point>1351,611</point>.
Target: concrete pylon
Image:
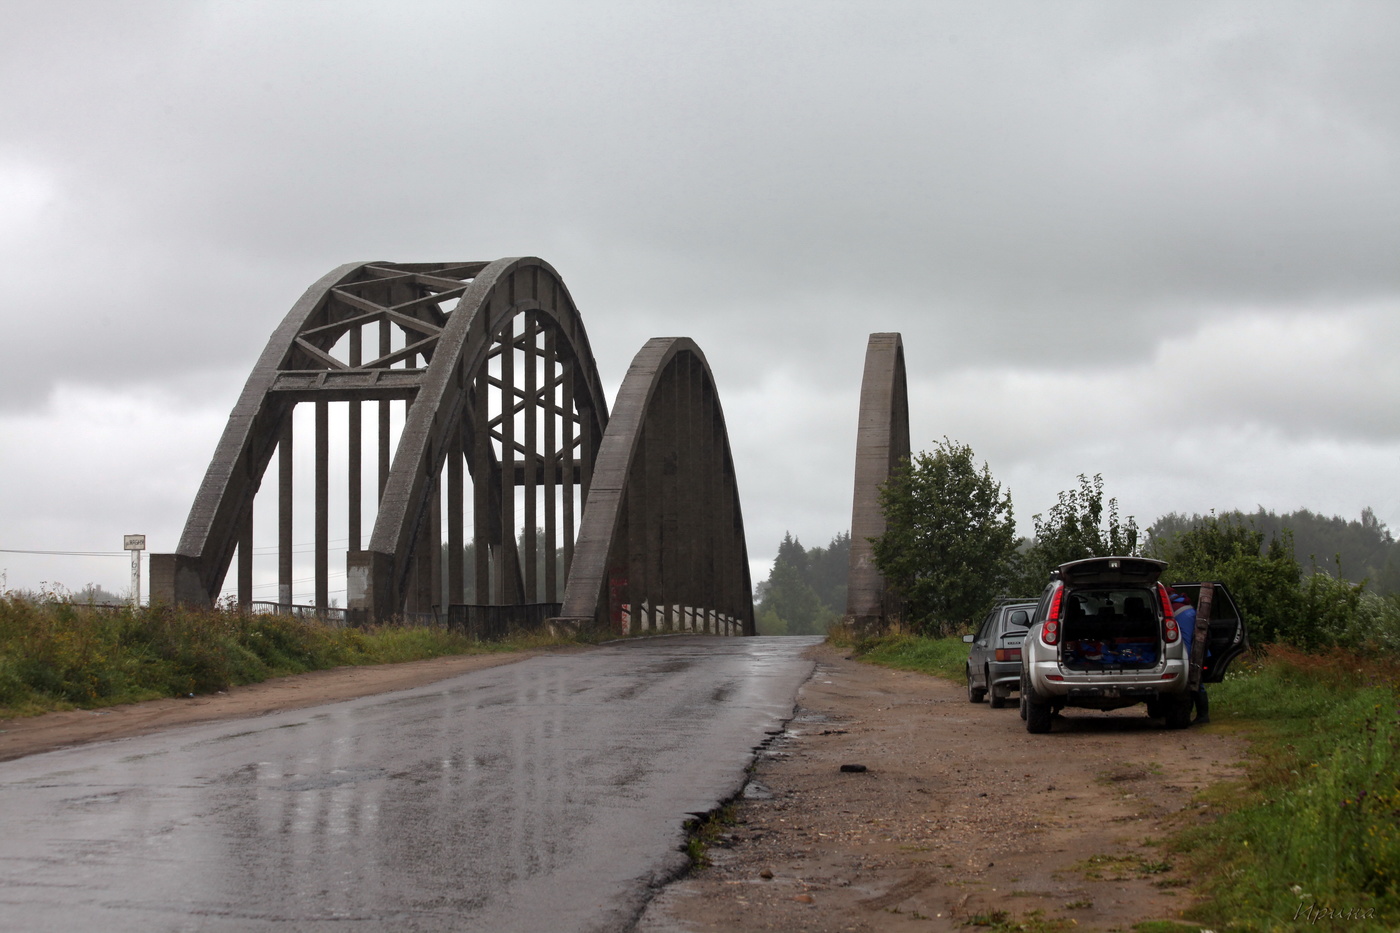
<point>882,443</point>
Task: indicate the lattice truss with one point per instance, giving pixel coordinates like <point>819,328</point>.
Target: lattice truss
<point>524,445</point>
<point>493,372</point>
<point>417,303</point>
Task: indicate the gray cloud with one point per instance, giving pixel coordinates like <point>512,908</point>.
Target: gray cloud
<point>1039,197</point>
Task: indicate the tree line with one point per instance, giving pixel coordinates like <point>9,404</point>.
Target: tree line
<point>950,549</point>
<point>1357,550</point>
<point>806,590</point>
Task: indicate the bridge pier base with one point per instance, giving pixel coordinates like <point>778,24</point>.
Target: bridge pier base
<point>176,581</point>
<point>369,585</point>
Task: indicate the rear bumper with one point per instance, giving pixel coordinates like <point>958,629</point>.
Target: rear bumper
<point>1115,692</point>
<point>1070,687</point>
<point>1005,674</point>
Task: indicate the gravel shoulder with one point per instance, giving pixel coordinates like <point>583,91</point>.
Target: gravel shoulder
<point>961,814</point>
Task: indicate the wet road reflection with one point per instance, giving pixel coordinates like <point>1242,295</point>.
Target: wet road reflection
<point>544,795</point>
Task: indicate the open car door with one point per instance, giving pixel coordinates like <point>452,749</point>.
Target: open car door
<point>1226,637</point>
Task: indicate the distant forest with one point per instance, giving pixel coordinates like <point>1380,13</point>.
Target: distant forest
<point>806,590</point>
<point>1356,550</point>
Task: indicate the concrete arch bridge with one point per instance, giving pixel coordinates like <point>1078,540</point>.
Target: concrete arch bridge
<point>468,394</point>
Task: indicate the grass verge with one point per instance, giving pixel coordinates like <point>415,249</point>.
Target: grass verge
<point>942,657</point>
<point>1312,836</point>
<point>55,655</point>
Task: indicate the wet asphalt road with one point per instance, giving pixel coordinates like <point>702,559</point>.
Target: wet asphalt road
<point>539,796</point>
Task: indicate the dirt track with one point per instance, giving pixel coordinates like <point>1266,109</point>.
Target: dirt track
<point>961,813</point>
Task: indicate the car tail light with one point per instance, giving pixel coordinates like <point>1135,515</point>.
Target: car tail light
<point>1050,631</point>
<point>1008,654</point>
<point>1168,617</point>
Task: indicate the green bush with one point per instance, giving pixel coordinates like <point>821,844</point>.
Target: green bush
<point>1376,624</point>
<point>55,655</point>
<point>950,537</point>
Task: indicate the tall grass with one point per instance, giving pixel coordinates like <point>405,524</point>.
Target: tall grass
<point>942,657</point>
<point>55,655</point>
<point>1313,835</point>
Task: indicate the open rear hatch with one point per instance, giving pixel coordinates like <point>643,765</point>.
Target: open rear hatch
<point>1138,571</point>
<point>1111,628</point>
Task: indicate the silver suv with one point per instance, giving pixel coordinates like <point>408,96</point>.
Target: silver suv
<point>994,662</point>
<point>1104,637</point>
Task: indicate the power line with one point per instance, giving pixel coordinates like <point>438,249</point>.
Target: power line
<point>6,550</point>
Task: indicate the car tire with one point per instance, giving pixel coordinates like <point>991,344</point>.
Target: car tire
<point>974,693</point>
<point>1178,714</point>
<point>1038,714</point>
<point>995,697</point>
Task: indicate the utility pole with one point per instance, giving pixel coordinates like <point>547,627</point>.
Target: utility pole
<point>135,544</point>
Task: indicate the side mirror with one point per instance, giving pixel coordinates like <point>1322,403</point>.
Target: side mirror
<point>967,639</point>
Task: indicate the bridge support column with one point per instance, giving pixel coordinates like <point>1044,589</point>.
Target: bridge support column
<point>369,580</point>
<point>882,444</point>
<point>176,581</point>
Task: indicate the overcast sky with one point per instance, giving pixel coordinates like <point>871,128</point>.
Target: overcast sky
<point>1159,242</point>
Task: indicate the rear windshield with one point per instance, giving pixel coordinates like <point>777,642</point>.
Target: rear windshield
<point>1018,620</point>
<point>1110,628</point>
<point>1117,606</point>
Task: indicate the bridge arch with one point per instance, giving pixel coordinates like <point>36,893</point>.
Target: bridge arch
<point>508,389</point>
<point>662,546</point>
<point>882,443</point>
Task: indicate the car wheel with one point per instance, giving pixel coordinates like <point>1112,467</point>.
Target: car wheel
<point>1178,715</point>
<point>995,696</point>
<point>974,692</point>
<point>1037,714</point>
<point>1023,697</point>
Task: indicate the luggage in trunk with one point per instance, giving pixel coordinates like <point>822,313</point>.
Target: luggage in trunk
<point>1111,629</point>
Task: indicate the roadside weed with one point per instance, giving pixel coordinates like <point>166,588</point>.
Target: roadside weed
<point>57,655</point>
<point>1313,835</point>
<point>706,830</point>
<point>944,657</point>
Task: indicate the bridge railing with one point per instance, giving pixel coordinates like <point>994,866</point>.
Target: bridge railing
<point>331,615</point>
<point>676,618</point>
